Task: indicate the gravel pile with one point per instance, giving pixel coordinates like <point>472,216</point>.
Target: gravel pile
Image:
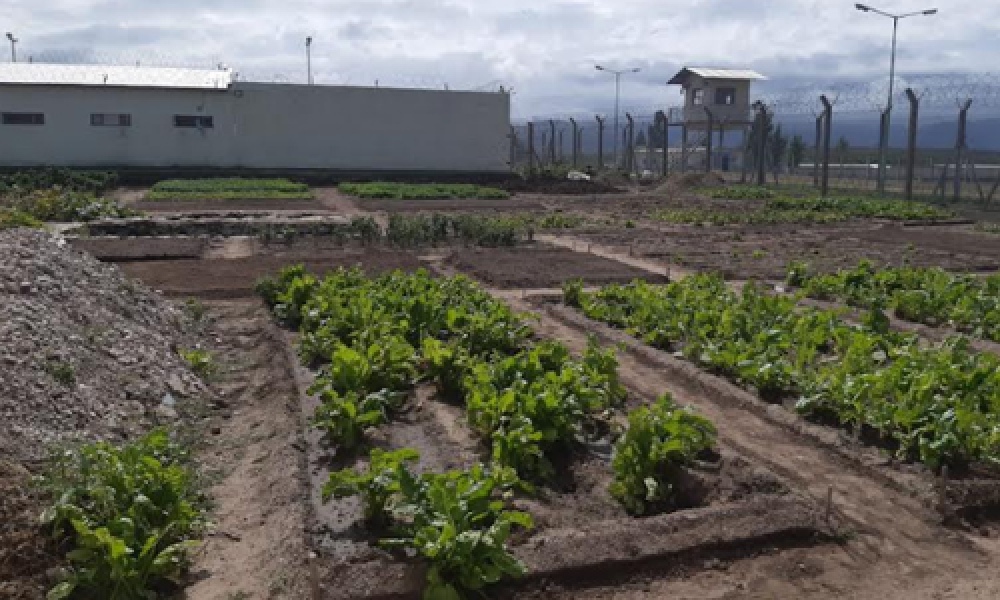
<point>85,353</point>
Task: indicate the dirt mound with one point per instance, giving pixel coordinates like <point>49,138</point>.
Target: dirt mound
<point>686,181</point>
<point>86,353</point>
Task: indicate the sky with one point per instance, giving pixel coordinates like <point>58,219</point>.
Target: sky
<point>544,52</point>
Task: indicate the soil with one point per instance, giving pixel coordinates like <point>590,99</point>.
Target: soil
<point>542,267</point>
<point>27,557</point>
<point>254,460</point>
<point>269,205</point>
<point>235,277</point>
<point>764,252</point>
<point>754,531</point>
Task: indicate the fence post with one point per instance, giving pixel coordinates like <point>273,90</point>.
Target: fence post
<point>819,143</point>
<point>827,128</point>
<point>552,141</point>
<point>883,150</point>
<point>911,142</point>
<point>761,144</point>
<point>709,127</point>
<point>575,144</point>
<point>963,116</point>
<point>513,146</point>
<point>684,146</point>
<point>630,145</point>
<point>531,147</point>
<point>661,118</point>
<point>600,144</point>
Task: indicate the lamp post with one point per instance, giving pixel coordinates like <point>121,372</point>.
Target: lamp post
<point>13,46</point>
<point>618,77</point>
<point>884,142</point>
<point>309,71</point>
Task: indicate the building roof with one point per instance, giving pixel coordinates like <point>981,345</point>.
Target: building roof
<point>734,74</point>
<point>114,75</point>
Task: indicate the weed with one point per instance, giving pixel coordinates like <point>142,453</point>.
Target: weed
<point>61,371</point>
<point>200,361</point>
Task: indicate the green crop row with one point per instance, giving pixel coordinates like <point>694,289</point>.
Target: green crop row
<point>939,405</point>
<point>771,210</point>
<point>420,191</point>
<point>742,192</point>
<point>24,182</point>
<point>926,295</point>
<point>374,339</point>
<point>230,184</point>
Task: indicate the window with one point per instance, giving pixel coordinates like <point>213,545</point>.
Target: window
<point>17,118</point>
<point>193,121</point>
<point>698,97</point>
<point>725,96</point>
<point>110,119</point>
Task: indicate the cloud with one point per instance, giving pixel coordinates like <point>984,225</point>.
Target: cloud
<point>545,51</point>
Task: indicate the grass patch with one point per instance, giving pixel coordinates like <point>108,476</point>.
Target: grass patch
<point>420,191</point>
<point>11,218</point>
<point>234,188</point>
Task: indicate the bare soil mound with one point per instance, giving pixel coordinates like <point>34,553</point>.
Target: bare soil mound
<point>87,353</point>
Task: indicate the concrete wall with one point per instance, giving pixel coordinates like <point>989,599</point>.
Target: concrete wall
<point>259,125</point>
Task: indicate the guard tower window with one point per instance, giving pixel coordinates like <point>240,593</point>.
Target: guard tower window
<point>18,118</point>
<point>199,121</point>
<point>698,97</point>
<point>725,96</point>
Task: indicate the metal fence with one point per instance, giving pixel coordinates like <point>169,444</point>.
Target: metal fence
<point>941,139</point>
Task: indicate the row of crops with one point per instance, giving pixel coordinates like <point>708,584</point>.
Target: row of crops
<point>931,296</point>
<point>767,209</point>
<point>29,198</point>
<point>228,188</point>
<point>531,402</point>
<point>936,404</point>
<point>24,182</point>
<point>421,191</point>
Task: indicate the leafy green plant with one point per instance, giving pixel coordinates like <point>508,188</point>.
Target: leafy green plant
<point>660,441</point>
<point>11,218</point>
<point>127,514</point>
<point>378,486</point>
<point>455,521</point>
<point>200,361</point>
<point>26,181</point>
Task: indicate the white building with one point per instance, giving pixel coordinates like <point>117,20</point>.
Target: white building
<point>142,117</point>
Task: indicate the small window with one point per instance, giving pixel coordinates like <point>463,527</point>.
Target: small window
<point>110,120</point>
<point>12,118</point>
<point>698,98</point>
<point>198,121</point>
<point>725,96</point>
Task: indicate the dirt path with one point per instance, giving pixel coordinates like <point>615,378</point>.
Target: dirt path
<point>255,461</point>
<point>894,549</point>
<point>656,268</point>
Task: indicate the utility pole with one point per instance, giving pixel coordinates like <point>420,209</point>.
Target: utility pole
<point>884,142</point>
<point>13,47</point>
<point>618,90</point>
<point>309,71</point>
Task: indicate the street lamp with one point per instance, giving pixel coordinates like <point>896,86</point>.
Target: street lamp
<point>309,71</point>
<point>618,76</point>
<point>13,46</point>
<point>884,142</point>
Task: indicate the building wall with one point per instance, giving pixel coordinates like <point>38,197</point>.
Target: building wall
<point>259,125</point>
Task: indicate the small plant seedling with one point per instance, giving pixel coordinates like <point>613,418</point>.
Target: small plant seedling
<point>200,361</point>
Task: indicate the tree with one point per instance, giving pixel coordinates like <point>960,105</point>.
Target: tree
<point>796,151</point>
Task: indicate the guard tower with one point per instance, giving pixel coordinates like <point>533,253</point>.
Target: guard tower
<point>716,101</point>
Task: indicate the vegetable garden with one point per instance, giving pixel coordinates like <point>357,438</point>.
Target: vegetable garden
<point>534,407</point>
<point>228,189</point>
<point>419,191</point>
<point>936,404</point>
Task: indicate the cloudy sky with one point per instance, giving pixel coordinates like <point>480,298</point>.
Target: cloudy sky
<point>544,51</point>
